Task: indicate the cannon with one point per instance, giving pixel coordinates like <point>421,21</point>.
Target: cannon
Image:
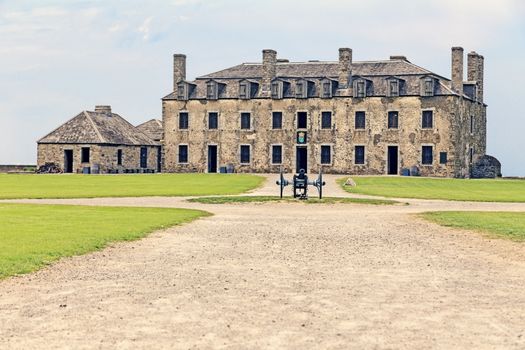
<point>300,184</point>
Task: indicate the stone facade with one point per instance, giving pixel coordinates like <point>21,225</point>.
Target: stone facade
<point>456,136</point>
<point>99,142</point>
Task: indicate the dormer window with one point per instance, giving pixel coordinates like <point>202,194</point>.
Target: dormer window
<point>360,89</point>
<point>182,91</point>
<point>327,89</point>
<point>244,90</point>
<point>211,90</point>
<point>300,89</point>
<point>428,87</point>
<point>393,88</point>
<point>277,90</point>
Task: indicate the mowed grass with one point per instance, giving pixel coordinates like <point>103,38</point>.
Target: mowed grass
<point>32,236</point>
<point>509,225</point>
<point>88,186</point>
<point>266,199</point>
<point>482,190</point>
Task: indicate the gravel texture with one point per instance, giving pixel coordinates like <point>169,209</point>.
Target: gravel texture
<point>284,275</point>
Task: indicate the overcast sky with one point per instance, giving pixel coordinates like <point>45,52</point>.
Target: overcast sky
<point>58,58</point>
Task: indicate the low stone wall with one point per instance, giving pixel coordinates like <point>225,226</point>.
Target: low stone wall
<point>10,168</point>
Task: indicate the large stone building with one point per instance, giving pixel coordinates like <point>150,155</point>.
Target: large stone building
<point>101,142</point>
<point>371,117</point>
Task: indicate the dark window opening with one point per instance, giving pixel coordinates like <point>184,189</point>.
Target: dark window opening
<point>85,155</point>
<point>359,155</point>
<point>426,157</point>
<point>183,153</point>
<point>300,89</point>
<point>277,154</point>
<point>277,120</point>
<point>245,154</point>
<point>119,157</point>
<point>245,121</point>
<point>326,156</point>
<point>471,154</point>
<point>360,120</point>
<point>393,120</point>
<point>326,120</point>
<point>427,121</point>
<point>302,120</point>
<point>183,120</point>
<point>213,120</point>
<point>471,124</point>
<point>143,157</point>
<point>443,158</point>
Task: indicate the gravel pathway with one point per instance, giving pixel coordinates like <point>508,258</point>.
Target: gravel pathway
<point>279,276</point>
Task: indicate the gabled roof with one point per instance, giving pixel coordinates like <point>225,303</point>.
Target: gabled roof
<point>98,128</point>
<point>153,128</point>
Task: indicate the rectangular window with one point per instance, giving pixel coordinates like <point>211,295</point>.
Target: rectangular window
<point>181,92</point>
<point>277,154</point>
<point>211,91</point>
<point>85,155</point>
<point>119,157</point>
<point>183,120</point>
<point>394,88</point>
<point>393,120</point>
<point>326,154</point>
<point>243,91</point>
<point>143,157</point>
<point>277,120</point>
<point>361,89</point>
<point>426,155</point>
<point>427,121</point>
<point>360,120</point>
<point>245,121</point>
<point>299,89</point>
<point>183,153</point>
<point>245,154</point>
<point>213,120</point>
<point>327,89</point>
<point>359,155</point>
<point>276,90</point>
<point>471,154</point>
<point>429,87</point>
<point>471,124</point>
<point>326,120</point>
<point>302,120</point>
<point>442,157</point>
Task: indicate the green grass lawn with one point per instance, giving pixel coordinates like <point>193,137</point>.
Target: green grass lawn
<point>32,236</point>
<point>509,225</point>
<point>449,189</point>
<point>264,199</point>
<point>87,186</point>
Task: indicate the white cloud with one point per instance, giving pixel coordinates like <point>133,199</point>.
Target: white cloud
<point>145,28</point>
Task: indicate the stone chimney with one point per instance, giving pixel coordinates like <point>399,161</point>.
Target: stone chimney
<point>268,70</point>
<point>179,69</point>
<point>103,109</point>
<point>457,70</point>
<point>475,67</point>
<point>345,68</point>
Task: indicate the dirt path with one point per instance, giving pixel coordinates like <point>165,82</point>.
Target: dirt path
<point>279,276</point>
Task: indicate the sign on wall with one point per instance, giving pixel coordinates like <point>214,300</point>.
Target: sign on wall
<point>301,137</point>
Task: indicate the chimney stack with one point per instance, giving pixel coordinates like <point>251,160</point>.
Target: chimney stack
<point>475,67</point>
<point>457,70</point>
<point>345,68</point>
<point>103,109</point>
<point>268,70</point>
<point>179,69</point>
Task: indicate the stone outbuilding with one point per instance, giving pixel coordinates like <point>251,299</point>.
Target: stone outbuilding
<point>100,142</point>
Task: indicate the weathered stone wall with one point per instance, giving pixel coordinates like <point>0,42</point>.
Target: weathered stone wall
<point>449,134</point>
<point>103,156</point>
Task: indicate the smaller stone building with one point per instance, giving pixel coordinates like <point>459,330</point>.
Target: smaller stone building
<point>100,142</point>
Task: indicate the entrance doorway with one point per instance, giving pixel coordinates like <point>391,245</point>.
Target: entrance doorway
<point>392,160</point>
<point>68,161</point>
<point>212,159</point>
<point>159,160</point>
<point>301,159</point>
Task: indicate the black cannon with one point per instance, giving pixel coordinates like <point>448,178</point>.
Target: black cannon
<point>300,184</point>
